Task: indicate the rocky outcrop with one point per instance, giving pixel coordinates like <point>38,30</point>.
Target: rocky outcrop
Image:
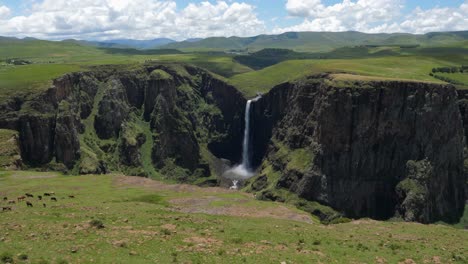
<point>36,135</point>
<point>375,149</point>
<point>227,128</point>
<point>10,155</point>
<point>113,111</point>
<point>66,141</point>
<point>131,142</point>
<point>151,117</point>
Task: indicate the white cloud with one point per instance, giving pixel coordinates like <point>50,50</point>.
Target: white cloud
<point>4,12</point>
<point>373,16</point>
<point>137,19</point>
<point>436,19</point>
<point>347,15</point>
<point>303,8</point>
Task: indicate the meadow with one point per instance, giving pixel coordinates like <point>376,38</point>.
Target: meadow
<point>53,59</point>
<point>166,223</point>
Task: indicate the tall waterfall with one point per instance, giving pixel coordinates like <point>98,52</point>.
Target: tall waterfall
<point>246,142</point>
<point>244,170</point>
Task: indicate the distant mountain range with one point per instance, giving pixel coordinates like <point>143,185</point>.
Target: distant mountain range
<point>126,43</point>
<point>297,41</point>
<point>318,41</point>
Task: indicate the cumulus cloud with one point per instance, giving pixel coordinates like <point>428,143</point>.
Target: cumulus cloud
<point>436,19</point>
<point>373,16</point>
<point>138,19</point>
<point>347,15</point>
<point>4,12</point>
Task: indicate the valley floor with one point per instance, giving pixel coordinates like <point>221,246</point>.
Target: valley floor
<point>119,219</point>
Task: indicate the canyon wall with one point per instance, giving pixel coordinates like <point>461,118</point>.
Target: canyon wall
<point>366,148</point>
<point>142,120</point>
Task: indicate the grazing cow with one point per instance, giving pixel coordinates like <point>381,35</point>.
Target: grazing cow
<point>11,202</point>
<point>5,198</point>
<point>46,194</point>
<point>39,197</point>
<point>71,196</point>
<point>29,204</point>
<point>44,205</point>
<point>6,208</point>
<point>21,198</point>
<point>53,199</point>
<point>29,195</point>
<point>52,193</point>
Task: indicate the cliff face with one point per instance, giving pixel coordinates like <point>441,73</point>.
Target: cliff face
<point>140,120</point>
<point>366,148</point>
<point>375,149</point>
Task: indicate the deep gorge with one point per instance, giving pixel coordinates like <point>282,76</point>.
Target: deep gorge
<point>366,148</point>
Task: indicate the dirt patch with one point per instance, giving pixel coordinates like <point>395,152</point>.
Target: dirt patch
<point>203,203</point>
<point>125,181</point>
<point>201,244</point>
<point>170,227</point>
<point>407,261</point>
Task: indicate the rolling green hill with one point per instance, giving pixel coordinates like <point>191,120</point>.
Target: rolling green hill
<point>291,56</point>
<point>319,41</point>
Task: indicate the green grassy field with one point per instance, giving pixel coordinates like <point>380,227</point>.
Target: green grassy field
<point>151,222</point>
<point>402,67</point>
<point>53,59</point>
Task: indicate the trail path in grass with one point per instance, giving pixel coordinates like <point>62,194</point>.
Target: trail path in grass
<point>215,200</point>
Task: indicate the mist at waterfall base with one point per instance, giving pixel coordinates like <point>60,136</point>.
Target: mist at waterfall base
<point>244,170</point>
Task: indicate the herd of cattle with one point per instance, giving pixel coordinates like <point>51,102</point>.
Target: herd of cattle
<point>27,198</point>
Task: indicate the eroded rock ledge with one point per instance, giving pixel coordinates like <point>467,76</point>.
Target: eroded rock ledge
<point>366,148</point>
<point>140,120</point>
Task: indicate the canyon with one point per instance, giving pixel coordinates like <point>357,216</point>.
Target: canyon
<point>366,148</point>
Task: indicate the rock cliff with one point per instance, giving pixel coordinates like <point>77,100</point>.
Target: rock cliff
<point>366,148</point>
<point>139,120</point>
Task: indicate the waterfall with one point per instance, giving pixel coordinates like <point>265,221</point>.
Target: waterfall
<point>244,170</point>
<point>246,141</point>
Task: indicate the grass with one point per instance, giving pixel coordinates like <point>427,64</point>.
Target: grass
<point>146,151</point>
<point>141,225</point>
<point>9,149</point>
<point>459,77</point>
<point>401,67</point>
<point>31,78</point>
<point>53,59</point>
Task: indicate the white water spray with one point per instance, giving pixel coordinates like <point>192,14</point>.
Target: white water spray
<point>234,185</point>
<point>244,171</point>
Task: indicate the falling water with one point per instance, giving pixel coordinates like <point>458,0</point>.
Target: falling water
<point>244,170</point>
<point>246,142</point>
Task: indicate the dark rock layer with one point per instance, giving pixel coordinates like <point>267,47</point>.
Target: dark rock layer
<point>93,122</point>
<point>375,149</point>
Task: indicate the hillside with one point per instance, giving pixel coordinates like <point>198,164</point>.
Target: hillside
<point>143,221</point>
<point>319,41</point>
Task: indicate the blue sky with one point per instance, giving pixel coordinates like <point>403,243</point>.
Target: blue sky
<point>180,19</point>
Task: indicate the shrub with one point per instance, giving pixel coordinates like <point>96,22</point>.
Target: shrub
<point>97,224</point>
<point>166,231</point>
<point>22,256</point>
<point>6,258</point>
